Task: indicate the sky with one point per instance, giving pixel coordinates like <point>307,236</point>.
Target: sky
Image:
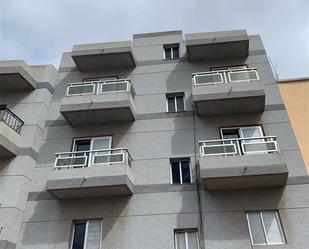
<point>39,31</point>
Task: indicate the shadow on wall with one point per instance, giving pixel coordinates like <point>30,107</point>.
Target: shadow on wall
<point>50,224</point>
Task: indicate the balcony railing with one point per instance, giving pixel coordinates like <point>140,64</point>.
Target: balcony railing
<point>100,87</point>
<point>239,146</point>
<point>10,119</point>
<point>82,159</point>
<point>225,76</point>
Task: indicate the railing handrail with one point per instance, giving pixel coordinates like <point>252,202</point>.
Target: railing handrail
<point>20,122</point>
<point>98,82</point>
<point>226,70</point>
<point>237,139</point>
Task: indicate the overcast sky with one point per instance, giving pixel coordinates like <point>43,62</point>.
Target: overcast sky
<point>39,31</point>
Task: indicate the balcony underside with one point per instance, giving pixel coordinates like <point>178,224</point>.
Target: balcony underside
<point>249,171</point>
<point>95,109</point>
<point>100,181</point>
<point>217,45</point>
<point>102,56</point>
<point>228,98</point>
<point>15,76</point>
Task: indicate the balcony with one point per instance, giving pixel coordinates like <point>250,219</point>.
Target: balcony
<point>217,45</point>
<point>242,163</point>
<point>102,56</point>
<point>232,91</point>
<point>16,76</point>
<point>99,102</point>
<point>10,127</point>
<point>94,173</point>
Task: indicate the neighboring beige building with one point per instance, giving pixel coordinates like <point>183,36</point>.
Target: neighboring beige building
<point>295,93</point>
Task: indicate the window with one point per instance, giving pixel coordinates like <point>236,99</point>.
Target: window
<point>175,102</point>
<point>180,172</point>
<point>171,51</point>
<point>96,143</point>
<point>265,228</point>
<point>187,239</point>
<point>87,234</point>
<point>242,132</point>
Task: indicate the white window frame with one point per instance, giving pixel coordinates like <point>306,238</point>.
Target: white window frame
<point>175,102</point>
<point>180,171</point>
<point>186,231</point>
<point>263,227</point>
<point>240,128</point>
<point>92,139</point>
<point>172,53</point>
<point>85,236</point>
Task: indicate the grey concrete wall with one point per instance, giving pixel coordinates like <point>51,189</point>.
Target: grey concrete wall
<point>148,218</point>
<point>16,173</point>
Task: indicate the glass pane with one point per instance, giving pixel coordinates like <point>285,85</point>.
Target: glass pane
<point>82,145</point>
<point>175,52</point>
<point>208,78</point>
<point>180,241</point>
<point>256,228</point>
<point>251,132</point>
<point>239,76</point>
<point>219,149</point>
<point>81,89</point>
<point>185,170</point>
<point>175,172</point>
<point>272,227</point>
<point>94,234</point>
<point>231,134</point>
<point>77,161</point>
<point>79,236</point>
<point>168,53</point>
<point>192,240</point>
<point>259,147</point>
<point>108,158</point>
<point>171,104</point>
<point>113,87</point>
<point>101,143</point>
<point>180,104</point>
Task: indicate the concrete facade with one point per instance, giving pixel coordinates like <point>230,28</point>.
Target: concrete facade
<point>148,217</point>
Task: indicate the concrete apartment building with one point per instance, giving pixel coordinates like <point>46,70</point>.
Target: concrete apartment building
<point>168,141</point>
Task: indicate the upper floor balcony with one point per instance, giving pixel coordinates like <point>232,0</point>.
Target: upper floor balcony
<point>91,173</point>
<point>242,163</point>
<point>10,127</point>
<point>100,56</point>
<point>99,102</point>
<point>228,91</point>
<point>16,75</point>
<point>217,45</point>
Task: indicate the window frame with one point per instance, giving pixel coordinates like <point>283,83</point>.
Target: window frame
<point>240,133</point>
<point>170,47</point>
<point>179,161</point>
<point>85,235</point>
<point>279,222</point>
<point>186,231</point>
<point>174,96</point>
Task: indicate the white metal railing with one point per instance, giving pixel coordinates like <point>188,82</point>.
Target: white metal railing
<point>82,159</point>
<point>225,76</point>
<point>239,146</point>
<point>100,87</point>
